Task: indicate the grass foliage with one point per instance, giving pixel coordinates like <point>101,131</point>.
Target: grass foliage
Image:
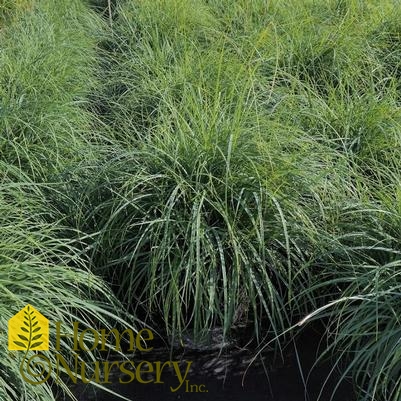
<point>38,265</point>
<point>220,163</point>
<point>46,72</point>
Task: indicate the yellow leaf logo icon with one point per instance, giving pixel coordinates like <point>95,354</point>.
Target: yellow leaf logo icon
<point>28,330</point>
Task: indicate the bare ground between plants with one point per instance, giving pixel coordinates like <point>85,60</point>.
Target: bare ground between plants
<point>225,376</point>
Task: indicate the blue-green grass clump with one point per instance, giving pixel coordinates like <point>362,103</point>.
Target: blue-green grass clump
<point>222,163</point>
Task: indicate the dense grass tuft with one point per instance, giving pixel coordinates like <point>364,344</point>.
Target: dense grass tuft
<point>47,69</point>
<point>47,65</point>
<point>39,266</point>
<point>221,163</point>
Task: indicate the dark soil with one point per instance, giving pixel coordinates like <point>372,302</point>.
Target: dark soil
<point>218,376</point>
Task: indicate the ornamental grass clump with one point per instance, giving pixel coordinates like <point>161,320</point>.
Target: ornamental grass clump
<point>47,66</point>
<point>40,266</point>
<point>207,210</point>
